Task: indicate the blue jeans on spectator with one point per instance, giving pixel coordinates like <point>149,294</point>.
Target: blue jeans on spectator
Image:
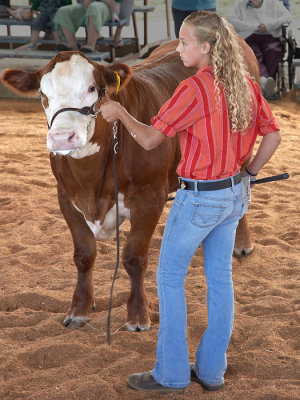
<point>210,218</point>
<point>44,20</point>
<point>179,16</point>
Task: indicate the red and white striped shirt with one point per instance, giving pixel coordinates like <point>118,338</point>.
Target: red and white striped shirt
<point>209,149</point>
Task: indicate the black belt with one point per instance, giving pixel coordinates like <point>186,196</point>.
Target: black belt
<point>202,186</point>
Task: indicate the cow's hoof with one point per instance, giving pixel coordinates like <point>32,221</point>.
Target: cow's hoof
<point>137,327</point>
<point>75,323</point>
<point>241,253</point>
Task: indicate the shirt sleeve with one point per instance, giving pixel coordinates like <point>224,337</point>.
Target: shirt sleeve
<point>179,112</point>
<point>240,20</point>
<point>266,120</point>
<point>283,16</point>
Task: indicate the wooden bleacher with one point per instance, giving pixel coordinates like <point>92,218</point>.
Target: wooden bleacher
<point>14,46</point>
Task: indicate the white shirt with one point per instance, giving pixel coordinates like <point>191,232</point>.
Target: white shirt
<point>271,13</point>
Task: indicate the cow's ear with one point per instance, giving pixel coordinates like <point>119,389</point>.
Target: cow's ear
<point>116,77</point>
<point>21,82</point>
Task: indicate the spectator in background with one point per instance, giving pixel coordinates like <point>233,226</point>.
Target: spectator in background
<point>3,5</point>
<point>183,8</point>
<point>47,10</point>
<point>94,15</point>
<point>286,3</point>
<point>259,23</point>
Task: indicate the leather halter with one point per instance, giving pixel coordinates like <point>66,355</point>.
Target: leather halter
<point>88,111</point>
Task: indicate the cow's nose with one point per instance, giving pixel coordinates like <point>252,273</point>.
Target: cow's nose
<point>62,140</point>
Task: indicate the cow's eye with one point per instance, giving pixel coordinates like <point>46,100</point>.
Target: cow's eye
<point>44,99</point>
<point>92,89</point>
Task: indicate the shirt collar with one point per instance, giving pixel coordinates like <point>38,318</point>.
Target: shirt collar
<point>205,68</point>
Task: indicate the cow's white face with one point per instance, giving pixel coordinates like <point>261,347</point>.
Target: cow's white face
<point>70,84</point>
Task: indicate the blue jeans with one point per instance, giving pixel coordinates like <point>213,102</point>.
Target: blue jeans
<point>210,218</point>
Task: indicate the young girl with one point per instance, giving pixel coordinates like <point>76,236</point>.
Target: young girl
<point>217,114</point>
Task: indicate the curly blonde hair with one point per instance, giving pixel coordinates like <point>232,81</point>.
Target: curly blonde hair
<point>227,60</point>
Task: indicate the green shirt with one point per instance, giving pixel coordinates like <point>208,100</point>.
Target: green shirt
<point>49,5</point>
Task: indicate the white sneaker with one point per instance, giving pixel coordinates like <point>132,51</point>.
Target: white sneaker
<point>268,86</point>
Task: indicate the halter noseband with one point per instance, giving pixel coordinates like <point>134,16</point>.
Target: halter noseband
<point>88,111</point>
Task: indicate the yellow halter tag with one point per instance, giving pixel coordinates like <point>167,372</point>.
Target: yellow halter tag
<point>118,81</point>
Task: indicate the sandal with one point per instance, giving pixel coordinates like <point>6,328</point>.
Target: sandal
<point>64,47</point>
<point>86,49</point>
<point>119,43</point>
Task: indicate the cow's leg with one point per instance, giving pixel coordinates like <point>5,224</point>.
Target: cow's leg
<point>84,258</point>
<point>243,246</point>
<point>135,261</point>
<point>143,219</point>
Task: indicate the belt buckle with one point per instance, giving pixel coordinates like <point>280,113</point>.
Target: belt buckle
<point>182,184</point>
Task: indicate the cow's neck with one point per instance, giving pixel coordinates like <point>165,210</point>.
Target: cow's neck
<point>84,180</point>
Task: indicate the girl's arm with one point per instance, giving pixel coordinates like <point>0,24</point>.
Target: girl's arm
<point>265,151</point>
<point>145,135</point>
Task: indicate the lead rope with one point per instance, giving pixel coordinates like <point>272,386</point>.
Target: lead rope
<point>115,143</point>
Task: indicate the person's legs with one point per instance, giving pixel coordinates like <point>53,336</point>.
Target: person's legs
<point>267,82</point>
<point>92,34</point>
<point>254,41</point>
<point>98,14</point>
<point>37,26</point>
<point>177,249</point>
<point>70,38</point>
<point>126,7</point>
<point>67,21</point>
<point>218,246</point>
<point>194,215</point>
<point>272,50</point>
<point>34,37</point>
<point>178,17</point>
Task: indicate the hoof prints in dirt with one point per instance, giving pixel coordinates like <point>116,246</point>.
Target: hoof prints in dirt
<point>40,359</point>
<point>32,301</point>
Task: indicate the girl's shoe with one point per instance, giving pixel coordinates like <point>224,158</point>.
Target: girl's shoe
<point>206,386</point>
<point>145,381</point>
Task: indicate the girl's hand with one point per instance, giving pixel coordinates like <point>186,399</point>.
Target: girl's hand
<point>110,111</point>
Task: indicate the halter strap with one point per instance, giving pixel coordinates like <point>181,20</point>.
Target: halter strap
<point>84,110</point>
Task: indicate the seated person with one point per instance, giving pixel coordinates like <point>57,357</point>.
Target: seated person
<point>47,10</point>
<point>94,15</point>
<point>4,4</point>
<point>263,38</point>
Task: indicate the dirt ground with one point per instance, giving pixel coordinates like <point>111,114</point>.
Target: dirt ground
<point>42,360</point>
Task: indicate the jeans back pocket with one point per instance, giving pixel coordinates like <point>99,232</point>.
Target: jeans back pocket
<point>205,215</point>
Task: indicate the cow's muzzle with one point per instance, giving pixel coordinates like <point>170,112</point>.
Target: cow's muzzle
<point>58,141</point>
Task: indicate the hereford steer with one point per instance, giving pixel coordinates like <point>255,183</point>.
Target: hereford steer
<point>71,87</point>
